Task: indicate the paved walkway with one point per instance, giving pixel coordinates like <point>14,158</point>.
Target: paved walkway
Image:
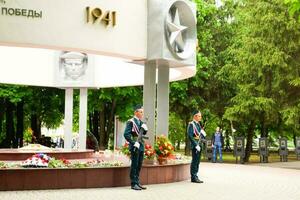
<point>221,182</point>
<point>287,165</point>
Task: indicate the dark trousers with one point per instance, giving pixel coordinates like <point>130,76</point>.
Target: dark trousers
<point>136,165</point>
<point>196,156</point>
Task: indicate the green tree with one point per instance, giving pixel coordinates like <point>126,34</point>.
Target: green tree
<point>176,130</point>
<point>44,107</point>
<point>294,8</point>
<point>263,65</point>
<point>23,107</point>
<point>209,90</point>
<point>11,99</point>
<point>104,104</point>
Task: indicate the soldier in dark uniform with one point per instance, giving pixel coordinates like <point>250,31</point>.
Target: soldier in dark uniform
<point>131,133</point>
<point>195,134</point>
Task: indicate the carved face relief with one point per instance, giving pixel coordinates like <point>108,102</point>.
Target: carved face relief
<point>74,68</point>
<point>73,65</point>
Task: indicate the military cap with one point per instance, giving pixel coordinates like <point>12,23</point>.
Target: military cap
<point>195,112</point>
<point>137,107</point>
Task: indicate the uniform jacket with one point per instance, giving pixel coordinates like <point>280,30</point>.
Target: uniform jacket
<point>131,134</point>
<point>194,133</point>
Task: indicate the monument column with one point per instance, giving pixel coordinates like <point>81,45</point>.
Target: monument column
<point>82,118</point>
<point>162,125</point>
<point>149,97</point>
<point>68,121</point>
<point>171,44</point>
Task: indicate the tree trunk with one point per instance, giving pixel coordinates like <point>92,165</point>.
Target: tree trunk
<point>95,129</point>
<point>294,138</point>
<point>102,130</point>
<point>20,123</point>
<point>187,141</point>
<point>227,142</point>
<point>110,122</point>
<point>267,132</point>
<point>90,122</point>
<point>250,133</point>
<point>264,128</point>
<point>10,133</point>
<point>178,145</point>
<point>35,127</point>
<point>2,111</point>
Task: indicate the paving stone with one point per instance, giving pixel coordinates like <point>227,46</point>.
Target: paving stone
<point>221,182</point>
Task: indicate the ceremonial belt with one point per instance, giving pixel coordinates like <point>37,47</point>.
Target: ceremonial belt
<point>196,132</point>
<point>134,127</point>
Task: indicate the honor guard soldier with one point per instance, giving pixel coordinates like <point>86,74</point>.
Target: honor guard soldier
<point>196,135</point>
<point>134,131</point>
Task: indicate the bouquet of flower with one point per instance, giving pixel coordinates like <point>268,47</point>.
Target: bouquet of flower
<point>3,165</point>
<point>102,163</point>
<point>125,149</point>
<point>149,152</point>
<point>163,147</point>
<point>37,160</point>
<point>60,163</point>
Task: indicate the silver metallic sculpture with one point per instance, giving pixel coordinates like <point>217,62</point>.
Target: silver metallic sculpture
<point>180,30</point>
<point>172,35</point>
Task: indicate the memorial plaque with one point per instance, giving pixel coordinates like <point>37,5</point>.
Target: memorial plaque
<point>239,148</point>
<point>298,144</point>
<point>283,150</point>
<point>263,146</point>
<point>263,149</point>
<point>209,149</point>
<point>297,149</point>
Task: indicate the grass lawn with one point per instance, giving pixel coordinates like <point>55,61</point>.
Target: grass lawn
<point>254,158</point>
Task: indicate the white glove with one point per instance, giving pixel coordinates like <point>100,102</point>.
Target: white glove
<point>198,148</point>
<point>137,145</point>
<point>144,126</point>
<point>203,132</point>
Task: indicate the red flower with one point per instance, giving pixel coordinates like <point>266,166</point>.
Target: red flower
<point>163,146</point>
<point>65,161</point>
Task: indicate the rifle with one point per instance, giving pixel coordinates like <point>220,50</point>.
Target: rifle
<point>201,140</point>
<point>141,136</point>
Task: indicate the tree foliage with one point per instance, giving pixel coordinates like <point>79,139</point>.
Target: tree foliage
<point>263,65</point>
<point>247,79</point>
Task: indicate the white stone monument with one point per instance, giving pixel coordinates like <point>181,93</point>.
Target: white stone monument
<point>95,44</point>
